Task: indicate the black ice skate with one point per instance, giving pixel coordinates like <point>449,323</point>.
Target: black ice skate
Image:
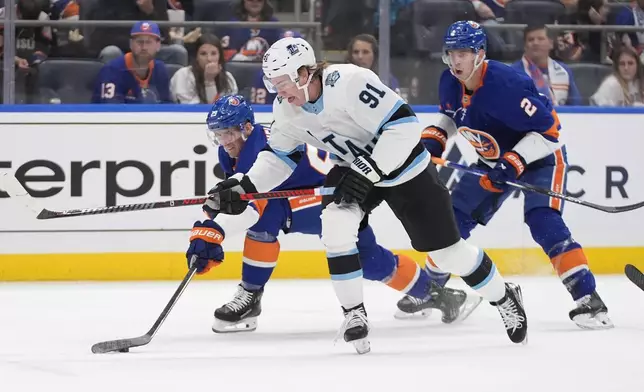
<point>355,329</point>
<point>240,314</point>
<point>455,305</point>
<point>511,310</point>
<point>591,313</point>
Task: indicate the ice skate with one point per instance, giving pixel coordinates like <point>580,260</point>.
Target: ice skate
<point>511,309</point>
<point>355,329</point>
<point>455,305</point>
<point>591,313</point>
<point>240,314</point>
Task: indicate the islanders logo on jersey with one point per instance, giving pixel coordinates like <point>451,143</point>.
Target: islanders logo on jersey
<point>484,143</point>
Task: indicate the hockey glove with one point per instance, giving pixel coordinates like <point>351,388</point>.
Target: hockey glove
<point>355,184</point>
<point>434,140</point>
<point>510,167</point>
<point>205,243</point>
<point>224,197</point>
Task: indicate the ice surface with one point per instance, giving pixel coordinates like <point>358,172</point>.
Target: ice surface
<point>47,329</point>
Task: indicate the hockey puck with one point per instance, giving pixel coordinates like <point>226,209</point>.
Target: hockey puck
<point>124,350</point>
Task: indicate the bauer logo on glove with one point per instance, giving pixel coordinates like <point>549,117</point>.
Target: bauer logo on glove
<point>205,243</point>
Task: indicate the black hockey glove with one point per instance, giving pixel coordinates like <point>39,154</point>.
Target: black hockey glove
<point>225,197</point>
<point>355,184</point>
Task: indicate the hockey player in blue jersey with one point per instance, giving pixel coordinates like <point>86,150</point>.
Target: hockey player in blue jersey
<point>515,132</point>
<point>231,126</point>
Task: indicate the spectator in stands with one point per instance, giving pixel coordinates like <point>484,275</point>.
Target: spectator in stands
<point>33,45</point>
<point>491,12</point>
<point>206,79</point>
<point>258,92</point>
<point>552,78</point>
<point>633,16</point>
<point>135,77</point>
<point>111,43</point>
<point>67,41</point>
<point>625,86</point>
<point>582,46</point>
<point>363,52</point>
<point>250,44</point>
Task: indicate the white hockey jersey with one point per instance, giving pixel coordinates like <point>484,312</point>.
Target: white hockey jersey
<point>352,117</point>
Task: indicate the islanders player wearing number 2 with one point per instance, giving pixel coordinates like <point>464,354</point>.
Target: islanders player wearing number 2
<point>374,140</point>
<point>515,132</point>
<point>231,127</point>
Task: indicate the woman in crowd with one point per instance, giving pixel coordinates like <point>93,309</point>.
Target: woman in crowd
<point>206,79</point>
<point>625,86</point>
<point>363,52</point>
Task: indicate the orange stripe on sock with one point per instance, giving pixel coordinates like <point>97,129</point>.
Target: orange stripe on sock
<point>558,178</point>
<point>405,273</point>
<point>566,261</point>
<point>261,251</point>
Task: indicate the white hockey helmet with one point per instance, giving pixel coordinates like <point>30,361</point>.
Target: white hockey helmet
<point>286,57</point>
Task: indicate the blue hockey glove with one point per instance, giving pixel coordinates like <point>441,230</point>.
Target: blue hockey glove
<point>355,184</point>
<point>224,197</point>
<point>205,243</point>
<point>434,140</point>
<point>510,167</point>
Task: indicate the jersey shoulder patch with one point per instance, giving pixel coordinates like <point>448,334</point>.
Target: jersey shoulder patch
<point>332,78</point>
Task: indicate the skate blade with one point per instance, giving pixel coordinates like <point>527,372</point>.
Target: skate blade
<point>420,315</point>
<point>471,303</point>
<point>362,346</point>
<point>600,321</point>
<point>246,325</point>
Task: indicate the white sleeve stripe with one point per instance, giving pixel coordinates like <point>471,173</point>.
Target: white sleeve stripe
<point>403,120</point>
<point>391,113</point>
<point>284,157</point>
<point>446,124</point>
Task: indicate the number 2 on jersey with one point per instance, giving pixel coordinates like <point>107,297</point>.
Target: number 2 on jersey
<point>528,107</point>
<point>370,99</point>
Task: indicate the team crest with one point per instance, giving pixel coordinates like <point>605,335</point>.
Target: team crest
<point>332,78</point>
<point>233,101</point>
<point>145,26</point>
<point>473,24</point>
<point>292,49</point>
<point>484,143</point>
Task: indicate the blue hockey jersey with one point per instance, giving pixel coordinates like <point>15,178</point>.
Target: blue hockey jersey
<point>118,83</point>
<point>305,174</point>
<point>500,112</point>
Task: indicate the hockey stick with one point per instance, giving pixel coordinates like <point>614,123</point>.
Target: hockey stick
<point>13,187</point>
<point>50,214</point>
<point>124,345</point>
<point>528,187</point>
<point>634,275</point>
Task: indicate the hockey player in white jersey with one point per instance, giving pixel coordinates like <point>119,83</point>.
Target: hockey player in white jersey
<point>374,138</point>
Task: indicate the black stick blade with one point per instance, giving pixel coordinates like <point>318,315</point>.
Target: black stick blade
<point>634,275</point>
<point>122,345</point>
<point>47,214</point>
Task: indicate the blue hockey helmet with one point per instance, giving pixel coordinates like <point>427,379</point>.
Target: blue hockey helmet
<point>464,34</point>
<point>229,111</point>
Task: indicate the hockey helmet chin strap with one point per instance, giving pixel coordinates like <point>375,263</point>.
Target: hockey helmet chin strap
<point>305,87</point>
